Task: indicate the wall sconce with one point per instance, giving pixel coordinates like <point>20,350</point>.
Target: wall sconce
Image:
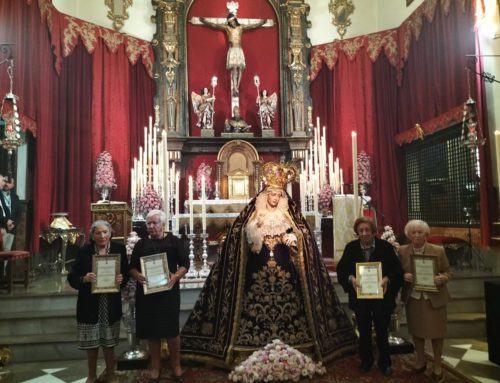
<point>118,12</point>
<point>341,10</point>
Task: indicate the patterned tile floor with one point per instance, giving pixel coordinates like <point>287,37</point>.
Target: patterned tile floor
<point>469,356</point>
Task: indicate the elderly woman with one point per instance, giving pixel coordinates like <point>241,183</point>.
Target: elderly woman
<point>368,248</point>
<point>425,311</point>
<point>157,315</point>
<point>98,315</point>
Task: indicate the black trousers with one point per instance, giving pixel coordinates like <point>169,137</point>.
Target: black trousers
<point>376,313</point>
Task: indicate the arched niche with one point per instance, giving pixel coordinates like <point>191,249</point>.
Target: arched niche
<point>238,166</point>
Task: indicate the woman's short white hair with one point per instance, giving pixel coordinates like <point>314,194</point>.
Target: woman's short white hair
<point>159,213</point>
<point>417,223</point>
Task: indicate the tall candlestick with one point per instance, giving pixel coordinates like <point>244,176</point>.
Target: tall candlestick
<point>203,206</point>
<point>355,172</point>
<point>177,181</point>
<point>191,211</point>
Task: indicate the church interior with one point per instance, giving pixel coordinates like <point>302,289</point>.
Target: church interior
<point>384,109</point>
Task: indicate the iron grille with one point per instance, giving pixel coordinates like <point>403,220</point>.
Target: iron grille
<point>442,179</point>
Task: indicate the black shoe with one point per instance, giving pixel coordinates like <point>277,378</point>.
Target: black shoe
<point>387,371</point>
<point>364,368</point>
<point>179,378</point>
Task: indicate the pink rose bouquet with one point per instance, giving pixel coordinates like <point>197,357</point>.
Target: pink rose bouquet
<point>149,200</point>
<point>325,197</point>
<point>104,173</point>
<point>364,168</point>
<point>277,361</point>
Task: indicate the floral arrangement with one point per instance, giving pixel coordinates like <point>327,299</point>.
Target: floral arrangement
<point>104,173</point>
<point>128,292</point>
<point>203,170</point>
<point>390,237</point>
<point>364,168</point>
<point>277,361</point>
<point>149,200</point>
<point>325,197</point>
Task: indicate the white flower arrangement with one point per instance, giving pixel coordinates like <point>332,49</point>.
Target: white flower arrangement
<point>390,237</point>
<point>277,361</point>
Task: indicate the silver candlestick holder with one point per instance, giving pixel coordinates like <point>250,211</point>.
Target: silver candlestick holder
<point>205,269</point>
<point>317,237</point>
<point>192,273</point>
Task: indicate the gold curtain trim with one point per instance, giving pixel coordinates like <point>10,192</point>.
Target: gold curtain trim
<point>66,36</point>
<point>396,42</point>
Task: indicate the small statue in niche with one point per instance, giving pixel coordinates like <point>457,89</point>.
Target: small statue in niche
<point>203,106</point>
<point>236,124</point>
<point>267,108</point>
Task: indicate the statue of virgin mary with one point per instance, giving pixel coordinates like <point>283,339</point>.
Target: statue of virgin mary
<point>268,283</point>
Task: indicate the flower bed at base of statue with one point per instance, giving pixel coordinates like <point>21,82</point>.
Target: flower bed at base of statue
<point>390,237</point>
<point>148,201</point>
<point>275,362</point>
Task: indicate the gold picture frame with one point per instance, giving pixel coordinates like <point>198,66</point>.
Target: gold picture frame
<point>106,268</point>
<point>155,269</point>
<point>424,268</point>
<point>369,276</point>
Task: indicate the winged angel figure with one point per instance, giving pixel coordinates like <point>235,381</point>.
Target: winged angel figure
<point>203,106</point>
<point>267,108</point>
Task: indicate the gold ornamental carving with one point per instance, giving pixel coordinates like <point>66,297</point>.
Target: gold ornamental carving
<point>118,12</point>
<point>341,10</point>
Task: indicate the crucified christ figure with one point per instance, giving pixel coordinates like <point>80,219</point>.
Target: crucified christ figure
<point>235,60</point>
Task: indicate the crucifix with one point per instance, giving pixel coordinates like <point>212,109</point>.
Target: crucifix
<point>234,28</point>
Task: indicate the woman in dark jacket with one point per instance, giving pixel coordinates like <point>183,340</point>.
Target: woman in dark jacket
<point>98,315</point>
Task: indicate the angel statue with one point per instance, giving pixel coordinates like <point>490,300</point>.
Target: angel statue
<point>267,108</point>
<point>203,105</point>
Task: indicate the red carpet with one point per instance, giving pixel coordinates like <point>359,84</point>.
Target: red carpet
<point>340,371</point>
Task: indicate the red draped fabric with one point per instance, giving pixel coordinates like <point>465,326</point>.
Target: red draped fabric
<point>379,99</point>
<point>76,116</point>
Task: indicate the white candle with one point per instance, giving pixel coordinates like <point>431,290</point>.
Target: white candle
<point>497,146</point>
<point>191,211</point>
<point>132,183</point>
<point>303,194</point>
<point>330,168</point>
<point>341,182</point>
<point>203,206</point>
<point>177,181</point>
<point>355,172</point>
<point>317,220</point>
<point>216,187</point>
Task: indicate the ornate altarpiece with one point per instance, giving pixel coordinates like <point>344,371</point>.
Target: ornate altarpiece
<point>171,72</point>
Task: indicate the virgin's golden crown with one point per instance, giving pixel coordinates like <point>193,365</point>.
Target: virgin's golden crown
<point>277,175</point>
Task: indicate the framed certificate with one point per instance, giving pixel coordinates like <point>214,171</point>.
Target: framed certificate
<point>369,276</point>
<point>155,269</point>
<point>106,268</point>
<point>424,270</point>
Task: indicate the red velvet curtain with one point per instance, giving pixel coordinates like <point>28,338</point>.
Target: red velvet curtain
<point>364,96</point>
<point>98,102</point>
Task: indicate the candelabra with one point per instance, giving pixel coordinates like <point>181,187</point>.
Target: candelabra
<point>205,269</point>
<point>192,273</point>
